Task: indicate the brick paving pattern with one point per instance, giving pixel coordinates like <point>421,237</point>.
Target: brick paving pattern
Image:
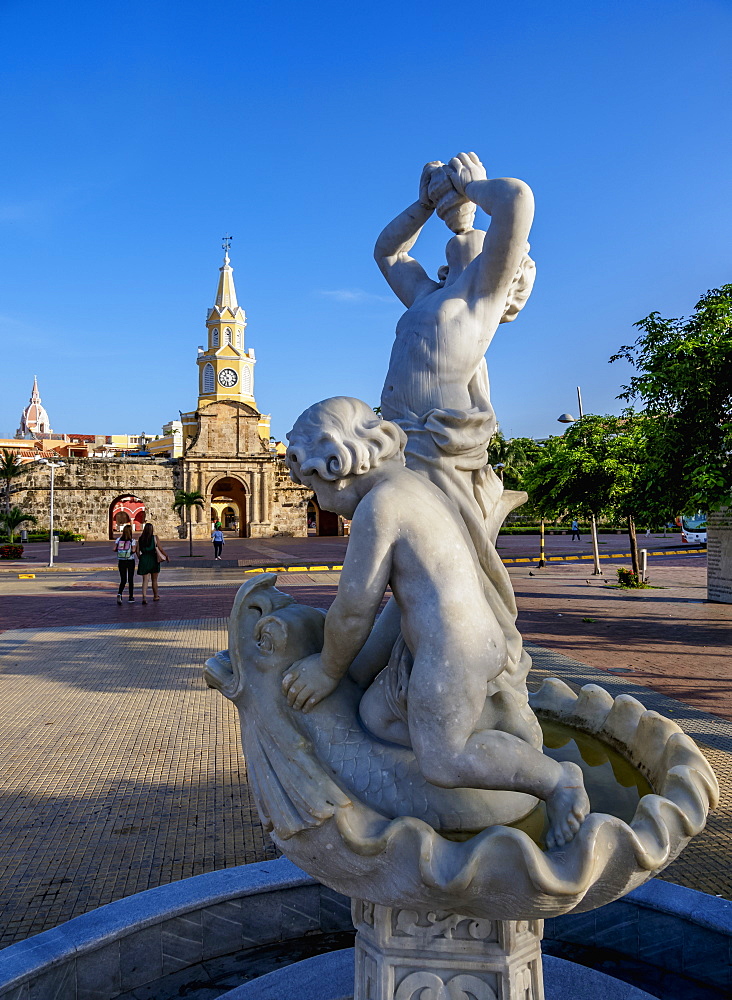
<point>669,639</point>
<point>122,770</point>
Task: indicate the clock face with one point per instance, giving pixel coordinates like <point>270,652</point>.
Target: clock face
<point>228,378</point>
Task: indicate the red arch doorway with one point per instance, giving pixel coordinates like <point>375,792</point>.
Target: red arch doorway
<point>126,509</point>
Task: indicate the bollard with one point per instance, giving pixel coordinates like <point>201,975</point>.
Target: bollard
<point>644,565</point>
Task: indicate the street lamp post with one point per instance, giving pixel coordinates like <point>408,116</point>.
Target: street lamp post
<point>53,466</point>
<point>567,418</point>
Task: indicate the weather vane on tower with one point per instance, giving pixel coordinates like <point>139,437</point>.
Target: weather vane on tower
<point>226,244</point>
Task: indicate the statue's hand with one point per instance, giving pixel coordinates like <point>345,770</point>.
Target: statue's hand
<point>464,168</point>
<point>424,183</point>
<point>306,683</point>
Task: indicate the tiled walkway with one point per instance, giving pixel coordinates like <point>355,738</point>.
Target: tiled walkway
<point>122,770</point>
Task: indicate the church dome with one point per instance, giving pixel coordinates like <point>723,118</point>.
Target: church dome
<point>34,420</point>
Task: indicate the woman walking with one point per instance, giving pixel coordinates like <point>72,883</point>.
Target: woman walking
<point>125,547</point>
<point>150,552</point>
<point>217,537</point>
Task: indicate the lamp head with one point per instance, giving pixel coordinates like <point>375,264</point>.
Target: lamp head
<point>566,418</point>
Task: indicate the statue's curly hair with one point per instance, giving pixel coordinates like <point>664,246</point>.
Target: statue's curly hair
<point>340,437</point>
<point>521,286</point>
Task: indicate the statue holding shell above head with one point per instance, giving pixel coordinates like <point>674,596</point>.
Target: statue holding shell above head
<point>443,670</point>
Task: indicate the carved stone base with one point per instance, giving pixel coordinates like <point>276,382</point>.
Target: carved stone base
<point>406,955</point>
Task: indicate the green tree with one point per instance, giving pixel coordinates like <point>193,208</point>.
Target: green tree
<point>10,468</point>
<point>185,502</point>
<point>684,383</point>
<point>13,518</point>
<point>598,467</point>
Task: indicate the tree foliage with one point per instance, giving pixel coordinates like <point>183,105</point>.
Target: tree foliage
<point>592,469</point>
<point>599,467</point>
<point>684,383</point>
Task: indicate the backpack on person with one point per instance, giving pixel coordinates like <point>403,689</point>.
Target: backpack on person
<point>125,549</point>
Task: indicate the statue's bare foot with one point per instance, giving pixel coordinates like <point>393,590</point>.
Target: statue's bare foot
<point>567,806</point>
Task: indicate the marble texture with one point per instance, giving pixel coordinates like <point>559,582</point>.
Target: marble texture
<point>400,953</point>
<point>435,669</point>
<point>304,765</point>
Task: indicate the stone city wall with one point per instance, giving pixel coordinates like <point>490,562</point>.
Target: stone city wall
<point>289,504</point>
<point>85,488</point>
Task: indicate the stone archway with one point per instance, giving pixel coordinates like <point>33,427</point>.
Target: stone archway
<point>228,497</point>
<point>126,509</point>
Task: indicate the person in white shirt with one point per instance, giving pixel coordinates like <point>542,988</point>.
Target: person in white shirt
<point>126,547</point>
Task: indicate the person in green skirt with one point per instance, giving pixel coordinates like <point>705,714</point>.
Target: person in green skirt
<point>149,552</point>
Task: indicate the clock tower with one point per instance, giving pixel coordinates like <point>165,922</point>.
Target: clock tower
<point>225,369</point>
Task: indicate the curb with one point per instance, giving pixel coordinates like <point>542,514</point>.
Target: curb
<point>506,562</point>
<point>606,555</point>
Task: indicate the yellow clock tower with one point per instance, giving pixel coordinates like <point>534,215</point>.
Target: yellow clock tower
<point>225,369</point>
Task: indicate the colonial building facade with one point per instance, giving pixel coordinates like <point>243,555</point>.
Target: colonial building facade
<point>221,449</point>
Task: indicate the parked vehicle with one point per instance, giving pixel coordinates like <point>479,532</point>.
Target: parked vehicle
<point>693,528</point>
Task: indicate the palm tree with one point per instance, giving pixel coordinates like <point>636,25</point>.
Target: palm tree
<point>186,502</point>
<point>10,468</point>
<point>14,517</point>
<point>511,456</point>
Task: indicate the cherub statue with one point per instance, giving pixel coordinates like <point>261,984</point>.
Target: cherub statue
<point>445,691</point>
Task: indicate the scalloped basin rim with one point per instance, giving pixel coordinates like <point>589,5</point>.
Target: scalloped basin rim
<point>501,873</point>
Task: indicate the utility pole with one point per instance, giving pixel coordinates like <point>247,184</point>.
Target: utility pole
<point>597,569</point>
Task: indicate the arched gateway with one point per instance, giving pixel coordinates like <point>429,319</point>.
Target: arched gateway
<point>126,509</point>
<point>229,506</point>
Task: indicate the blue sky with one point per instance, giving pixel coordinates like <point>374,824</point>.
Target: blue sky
<point>137,134</point>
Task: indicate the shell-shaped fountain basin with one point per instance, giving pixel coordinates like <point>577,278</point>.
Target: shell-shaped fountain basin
<point>650,789</point>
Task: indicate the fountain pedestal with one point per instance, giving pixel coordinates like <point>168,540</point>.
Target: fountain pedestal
<point>402,954</point>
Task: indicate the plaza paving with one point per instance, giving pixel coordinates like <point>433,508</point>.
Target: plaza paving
<point>122,770</point>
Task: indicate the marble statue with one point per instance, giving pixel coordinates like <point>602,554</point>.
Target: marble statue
<point>395,754</point>
<point>444,669</point>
